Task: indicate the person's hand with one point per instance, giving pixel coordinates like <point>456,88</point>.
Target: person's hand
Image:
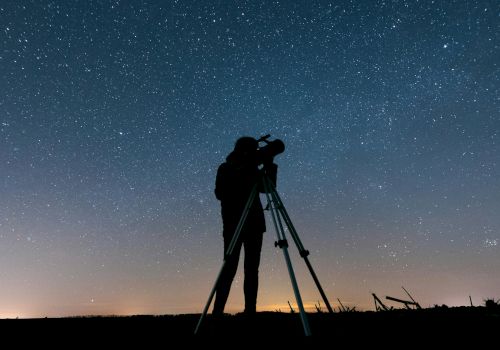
<point>268,161</point>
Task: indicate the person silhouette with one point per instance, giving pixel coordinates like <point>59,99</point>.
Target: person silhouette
<point>234,183</point>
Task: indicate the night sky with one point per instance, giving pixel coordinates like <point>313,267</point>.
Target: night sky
<point>114,116</point>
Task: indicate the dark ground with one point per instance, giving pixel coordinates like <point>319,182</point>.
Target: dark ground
<point>426,325</point>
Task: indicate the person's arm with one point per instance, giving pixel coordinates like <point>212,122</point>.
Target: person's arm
<point>220,182</point>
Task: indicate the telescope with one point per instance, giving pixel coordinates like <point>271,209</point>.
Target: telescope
<point>266,153</point>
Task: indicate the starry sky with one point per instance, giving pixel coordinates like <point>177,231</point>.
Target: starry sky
<point>114,116</point>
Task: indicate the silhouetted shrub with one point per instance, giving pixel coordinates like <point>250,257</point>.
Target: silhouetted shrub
<point>492,304</point>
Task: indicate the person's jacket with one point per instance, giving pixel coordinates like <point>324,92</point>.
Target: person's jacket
<point>234,183</point>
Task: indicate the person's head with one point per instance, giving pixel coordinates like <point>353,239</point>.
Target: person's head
<point>246,146</point>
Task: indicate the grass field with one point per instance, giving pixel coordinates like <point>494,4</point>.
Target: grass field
<point>433,323</point>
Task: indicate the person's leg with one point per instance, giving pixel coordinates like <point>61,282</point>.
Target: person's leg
<point>226,278</point>
<point>253,245</point>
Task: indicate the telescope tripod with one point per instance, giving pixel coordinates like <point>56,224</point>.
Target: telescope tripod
<point>279,216</point>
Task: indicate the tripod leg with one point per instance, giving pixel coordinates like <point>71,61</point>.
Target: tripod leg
<point>303,252</point>
<point>282,243</point>
<point>229,252</point>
